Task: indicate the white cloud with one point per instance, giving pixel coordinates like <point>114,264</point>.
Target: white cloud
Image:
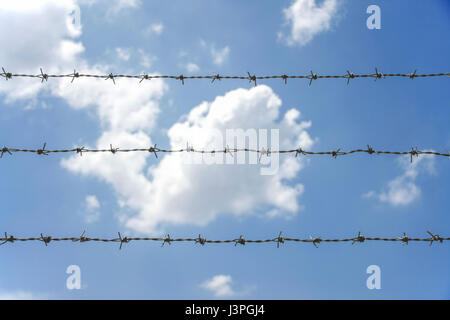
<point>48,42</point>
<point>403,190</point>
<point>235,189</point>
<point>307,19</point>
<point>219,285</point>
<point>17,295</point>
<point>192,67</point>
<point>127,113</point>
<point>92,202</point>
<point>92,209</point>
<point>116,6</point>
<point>123,53</point>
<point>219,56</point>
<point>126,106</point>
<point>155,193</point>
<point>155,28</point>
<point>146,60</point>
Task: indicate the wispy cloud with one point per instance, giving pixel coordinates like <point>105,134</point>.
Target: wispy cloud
<point>116,6</point>
<point>17,295</point>
<point>92,206</point>
<point>192,67</point>
<point>219,56</point>
<point>123,53</point>
<point>146,60</point>
<point>403,189</point>
<point>154,29</point>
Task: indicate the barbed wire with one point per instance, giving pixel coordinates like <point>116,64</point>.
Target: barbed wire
<point>414,152</point>
<point>252,78</point>
<point>241,240</point>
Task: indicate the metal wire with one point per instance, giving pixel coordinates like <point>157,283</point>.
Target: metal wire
<point>251,78</point>
<point>241,240</point>
<point>414,152</point>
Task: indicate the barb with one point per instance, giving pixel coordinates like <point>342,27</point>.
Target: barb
<point>315,241</point>
<point>111,149</point>
<point>110,76</point>
<point>350,75</point>
<point>359,238</point>
<point>435,237</point>
<point>43,76</point>
<point>404,239</point>
<point>279,239</point>
<point>414,152</point>
<point>5,149</point>
<point>167,240</point>
<point>378,75</point>
<point>122,240</point>
<point>181,78</point>
<point>80,150</point>
<point>7,75</point>
<point>251,78</point>
<point>312,77</point>
<point>216,77</point>
<point>241,240</point>
<point>145,77</point>
<point>42,151</point>
<point>6,239</point>
<point>200,240</point>
<point>74,75</point>
<point>154,150</point>
<point>45,239</point>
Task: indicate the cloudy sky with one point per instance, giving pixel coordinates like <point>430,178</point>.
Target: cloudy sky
<point>134,193</point>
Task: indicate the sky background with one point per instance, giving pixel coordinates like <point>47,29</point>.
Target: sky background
<point>62,195</point>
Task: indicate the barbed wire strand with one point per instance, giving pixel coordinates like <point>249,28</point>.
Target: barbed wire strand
<point>404,239</point>
<point>414,152</point>
<point>252,78</point>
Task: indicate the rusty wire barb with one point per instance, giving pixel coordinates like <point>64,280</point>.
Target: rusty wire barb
<point>414,152</point>
<point>250,77</point>
<point>359,238</point>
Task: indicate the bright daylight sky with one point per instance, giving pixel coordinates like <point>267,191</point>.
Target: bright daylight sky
<point>138,195</point>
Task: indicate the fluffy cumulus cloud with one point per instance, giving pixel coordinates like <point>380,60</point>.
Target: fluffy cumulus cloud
<point>123,107</point>
<point>176,192</point>
<point>171,191</point>
<point>403,189</point>
<point>40,34</point>
<point>219,285</point>
<point>306,19</point>
<point>214,189</point>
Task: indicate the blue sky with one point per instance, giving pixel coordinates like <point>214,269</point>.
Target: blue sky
<point>62,195</point>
